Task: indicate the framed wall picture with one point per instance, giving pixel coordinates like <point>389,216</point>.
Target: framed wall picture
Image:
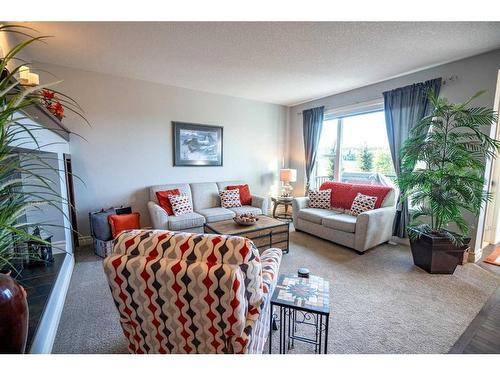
<point>197,145</point>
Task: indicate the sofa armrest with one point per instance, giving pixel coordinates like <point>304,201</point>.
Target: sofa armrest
<point>158,216</point>
<point>260,202</point>
<point>374,227</point>
<point>298,204</point>
<point>270,260</point>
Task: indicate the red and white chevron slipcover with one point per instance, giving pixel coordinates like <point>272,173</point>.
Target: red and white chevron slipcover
<point>191,293</point>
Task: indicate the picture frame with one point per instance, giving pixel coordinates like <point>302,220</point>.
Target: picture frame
<point>197,145</point>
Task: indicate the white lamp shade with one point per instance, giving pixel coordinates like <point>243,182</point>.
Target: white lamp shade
<point>288,175</point>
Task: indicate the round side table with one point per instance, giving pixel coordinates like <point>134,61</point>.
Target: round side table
<point>285,201</point>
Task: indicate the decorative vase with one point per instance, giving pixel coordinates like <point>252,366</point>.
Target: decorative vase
<point>13,316</point>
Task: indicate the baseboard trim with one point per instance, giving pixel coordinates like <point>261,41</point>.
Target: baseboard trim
<point>47,329</point>
<point>85,240</point>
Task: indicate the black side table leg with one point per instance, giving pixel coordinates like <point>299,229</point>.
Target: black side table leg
<point>327,318</point>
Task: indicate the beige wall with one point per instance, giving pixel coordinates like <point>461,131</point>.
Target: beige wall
<point>129,146</point>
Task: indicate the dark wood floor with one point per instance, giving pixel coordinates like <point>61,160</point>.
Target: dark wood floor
<point>482,336</point>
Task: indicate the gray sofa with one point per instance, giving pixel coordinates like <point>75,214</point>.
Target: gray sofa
<point>360,233</point>
<point>204,197</point>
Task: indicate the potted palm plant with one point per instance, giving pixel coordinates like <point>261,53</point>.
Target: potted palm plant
<point>443,164</point>
<point>19,169</point>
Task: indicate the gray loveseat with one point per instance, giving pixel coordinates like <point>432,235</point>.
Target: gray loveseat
<point>204,197</point>
<point>360,233</point>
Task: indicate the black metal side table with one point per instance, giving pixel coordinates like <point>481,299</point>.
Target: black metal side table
<point>301,301</point>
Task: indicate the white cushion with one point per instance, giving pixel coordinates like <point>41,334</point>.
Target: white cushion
<point>343,222</point>
<point>315,215</point>
<point>216,214</point>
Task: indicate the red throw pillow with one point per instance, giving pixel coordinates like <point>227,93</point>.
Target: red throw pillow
<point>245,196</point>
<point>163,200</point>
<point>119,223</point>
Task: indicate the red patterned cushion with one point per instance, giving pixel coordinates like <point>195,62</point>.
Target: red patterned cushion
<point>163,200</point>
<point>362,203</point>
<point>343,194</point>
<point>230,198</point>
<point>180,204</point>
<point>245,196</point>
<point>319,198</point>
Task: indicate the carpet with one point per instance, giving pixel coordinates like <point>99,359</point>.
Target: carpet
<point>494,257</point>
<point>380,302</point>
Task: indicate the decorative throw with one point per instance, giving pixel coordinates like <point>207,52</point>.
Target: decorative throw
<point>180,204</point>
<point>319,198</point>
<point>230,198</point>
<point>362,203</point>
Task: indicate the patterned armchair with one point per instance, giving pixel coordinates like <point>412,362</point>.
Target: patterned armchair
<point>191,293</point>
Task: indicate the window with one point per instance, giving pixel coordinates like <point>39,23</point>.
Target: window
<point>354,148</point>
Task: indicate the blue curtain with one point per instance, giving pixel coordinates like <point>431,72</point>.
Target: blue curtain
<point>313,124</point>
<point>404,107</point>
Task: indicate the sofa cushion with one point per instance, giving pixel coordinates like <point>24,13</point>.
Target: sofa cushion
<point>180,204</point>
<point>343,222</point>
<point>315,215</point>
<point>362,203</point>
<point>163,200</point>
<point>190,220</point>
<point>245,195</point>
<point>230,198</point>
<point>184,189</point>
<point>246,209</point>
<point>319,198</point>
<point>205,195</point>
<point>216,214</point>
<point>119,223</point>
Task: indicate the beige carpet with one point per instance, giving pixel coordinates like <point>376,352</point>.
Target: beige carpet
<point>380,302</point>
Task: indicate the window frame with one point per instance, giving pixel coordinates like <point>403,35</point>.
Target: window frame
<point>339,114</point>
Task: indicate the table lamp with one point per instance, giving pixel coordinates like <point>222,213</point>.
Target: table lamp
<point>287,176</point>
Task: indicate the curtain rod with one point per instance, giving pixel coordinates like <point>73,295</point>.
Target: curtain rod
<point>446,81</point>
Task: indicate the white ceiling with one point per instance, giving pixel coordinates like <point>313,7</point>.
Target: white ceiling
<point>277,62</point>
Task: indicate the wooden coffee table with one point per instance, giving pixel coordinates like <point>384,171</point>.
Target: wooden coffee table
<point>267,232</point>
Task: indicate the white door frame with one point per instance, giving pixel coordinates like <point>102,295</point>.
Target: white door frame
<point>487,227</point>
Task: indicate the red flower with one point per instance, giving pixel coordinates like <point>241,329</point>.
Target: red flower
<point>48,94</point>
<point>56,109</point>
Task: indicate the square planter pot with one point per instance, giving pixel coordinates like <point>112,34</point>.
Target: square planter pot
<point>437,254</point>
